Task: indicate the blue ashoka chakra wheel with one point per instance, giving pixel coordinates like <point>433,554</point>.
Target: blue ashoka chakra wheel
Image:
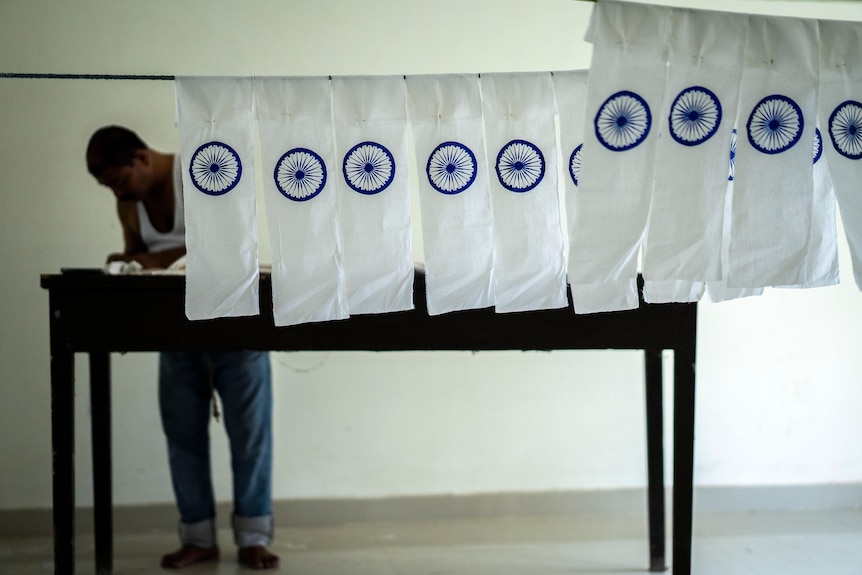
<point>575,164</point>
<point>694,116</point>
<point>818,144</point>
<point>368,168</point>
<point>215,168</point>
<point>732,155</point>
<point>845,129</point>
<point>451,168</point>
<point>520,166</point>
<point>775,124</point>
<point>300,174</point>
<point>623,121</point>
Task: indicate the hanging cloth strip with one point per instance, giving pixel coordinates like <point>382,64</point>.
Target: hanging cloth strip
<point>529,262</point>
<point>298,157</point>
<point>683,245</point>
<point>373,200</point>
<point>773,188</point>
<point>215,120</point>
<point>626,91</point>
<point>841,124</point>
<point>457,228</point>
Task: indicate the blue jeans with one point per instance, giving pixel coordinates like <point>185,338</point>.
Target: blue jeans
<point>242,379</point>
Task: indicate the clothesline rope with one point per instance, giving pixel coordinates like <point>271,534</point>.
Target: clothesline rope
<point>50,76</point>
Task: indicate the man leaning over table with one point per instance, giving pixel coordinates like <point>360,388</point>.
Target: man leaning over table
<point>147,185</point>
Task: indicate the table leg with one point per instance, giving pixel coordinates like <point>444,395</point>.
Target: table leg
<point>683,454</point>
<point>100,404</point>
<point>63,456</point>
<point>655,458</point>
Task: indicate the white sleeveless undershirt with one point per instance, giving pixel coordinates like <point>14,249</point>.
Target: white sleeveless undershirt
<point>154,239</point>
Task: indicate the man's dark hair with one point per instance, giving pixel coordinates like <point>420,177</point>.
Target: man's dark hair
<point>112,146</point>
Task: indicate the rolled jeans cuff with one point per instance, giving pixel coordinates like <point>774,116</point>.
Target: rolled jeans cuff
<point>252,531</point>
<point>200,534</point>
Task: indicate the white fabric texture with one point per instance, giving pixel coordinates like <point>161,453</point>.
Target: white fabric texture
<point>821,261</point>
<point>215,118</point>
<point>626,91</point>
<point>457,227</point>
<point>773,180</point>
<point>718,291</point>
<point>683,244</point>
<point>529,263</point>
<point>298,158</point>
<point>570,92</point>
<point>370,115</point>
<point>841,123</point>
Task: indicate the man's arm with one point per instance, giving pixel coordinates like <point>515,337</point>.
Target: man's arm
<point>134,247</point>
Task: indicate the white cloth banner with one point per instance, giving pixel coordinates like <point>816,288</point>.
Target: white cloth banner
<point>841,120</point>
<point>298,158</point>
<point>370,117</point>
<point>821,261</point>
<point>626,91</point>
<point>529,263</point>
<point>717,290</point>
<point>773,174</point>
<point>570,91</point>
<point>216,147</point>
<point>683,244</point>
<point>457,228</point>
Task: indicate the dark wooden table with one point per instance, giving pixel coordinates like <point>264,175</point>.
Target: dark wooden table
<point>99,314</point>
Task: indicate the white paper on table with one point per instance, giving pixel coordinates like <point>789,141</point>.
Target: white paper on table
<point>215,118</point>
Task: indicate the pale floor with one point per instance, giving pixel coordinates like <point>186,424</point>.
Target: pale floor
<point>792,543</point>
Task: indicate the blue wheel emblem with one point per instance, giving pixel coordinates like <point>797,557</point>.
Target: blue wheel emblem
<point>818,144</point>
<point>623,121</point>
<point>520,166</point>
<point>775,124</point>
<point>368,168</point>
<point>694,116</point>
<point>845,129</point>
<point>451,168</point>
<point>300,174</point>
<point>575,164</point>
<point>215,168</point>
<point>732,155</point>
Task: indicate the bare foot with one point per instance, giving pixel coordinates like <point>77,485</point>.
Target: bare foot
<point>189,555</point>
<point>257,557</point>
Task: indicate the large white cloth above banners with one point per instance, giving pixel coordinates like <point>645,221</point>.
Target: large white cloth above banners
<point>214,116</point>
<point>297,150</point>
<point>626,92</point>
<point>520,133</point>
<point>773,186</point>
<point>370,115</point>
<point>841,124</point>
<point>457,226</point>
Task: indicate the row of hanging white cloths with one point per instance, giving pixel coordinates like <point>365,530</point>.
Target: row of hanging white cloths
<point>334,155</point>
<point>671,92</point>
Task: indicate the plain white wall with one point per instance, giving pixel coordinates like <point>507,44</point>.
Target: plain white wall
<point>779,390</point>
